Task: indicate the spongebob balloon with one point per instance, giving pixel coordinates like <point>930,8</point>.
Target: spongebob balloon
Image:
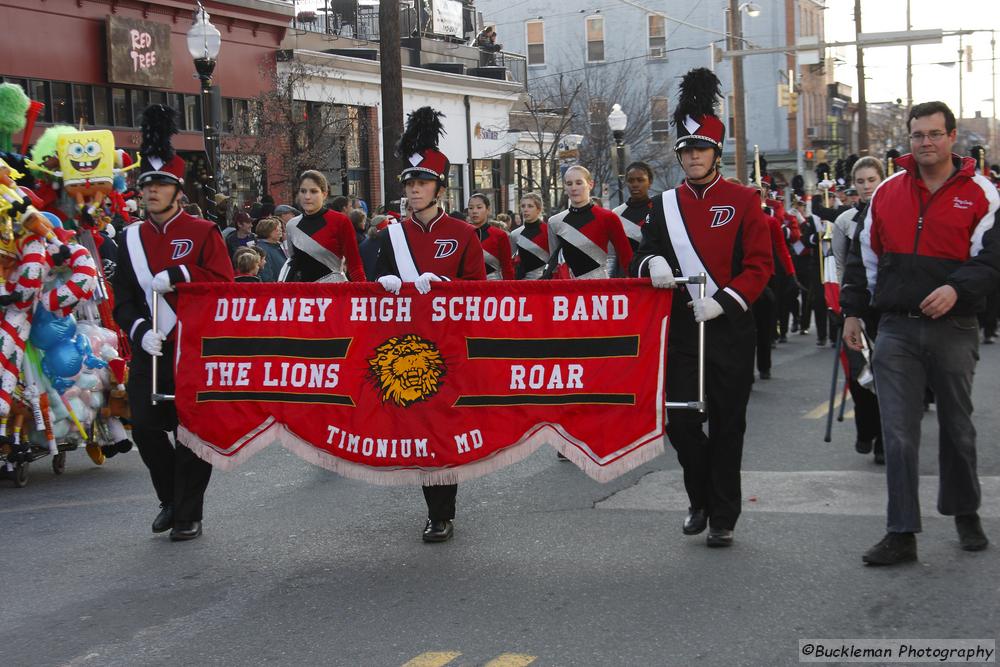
<point>86,166</point>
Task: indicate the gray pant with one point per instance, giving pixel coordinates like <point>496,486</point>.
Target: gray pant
<point>910,353</point>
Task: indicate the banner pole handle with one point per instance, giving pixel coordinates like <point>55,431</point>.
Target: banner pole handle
<point>156,397</point>
<point>701,280</point>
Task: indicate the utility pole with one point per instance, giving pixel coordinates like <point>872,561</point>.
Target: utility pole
<point>739,94</point>
<point>995,143</point>
<point>392,96</point>
<point>961,88</point>
<point>909,63</point>
<point>862,100</point>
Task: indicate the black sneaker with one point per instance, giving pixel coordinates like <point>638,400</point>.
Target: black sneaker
<point>894,548</point>
<point>970,532</point>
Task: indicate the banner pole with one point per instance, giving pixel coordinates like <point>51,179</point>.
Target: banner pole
<point>701,280</point>
<point>156,397</point>
<point>827,437</point>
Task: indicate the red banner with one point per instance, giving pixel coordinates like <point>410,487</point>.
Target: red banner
<point>430,389</point>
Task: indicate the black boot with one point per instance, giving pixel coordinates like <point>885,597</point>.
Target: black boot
<point>970,532</point>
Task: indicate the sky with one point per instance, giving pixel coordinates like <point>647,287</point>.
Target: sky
<point>885,67</point>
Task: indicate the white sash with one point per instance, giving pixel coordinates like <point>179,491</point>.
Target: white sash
<point>529,246</point>
<point>687,256</point>
<point>166,316</point>
<point>401,251</point>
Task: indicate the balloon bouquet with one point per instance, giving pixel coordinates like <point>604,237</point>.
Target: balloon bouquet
<point>62,366</point>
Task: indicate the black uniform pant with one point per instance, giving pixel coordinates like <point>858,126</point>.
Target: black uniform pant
<point>765,316</point>
<point>867,419</point>
<point>988,318</point>
<point>786,301</point>
<point>179,476</point>
<point>441,501</point>
<point>712,461</point>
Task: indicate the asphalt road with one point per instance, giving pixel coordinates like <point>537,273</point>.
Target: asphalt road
<point>300,567</point>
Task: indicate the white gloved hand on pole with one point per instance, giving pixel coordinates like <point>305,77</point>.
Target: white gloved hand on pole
<point>424,280</point>
<point>152,343</point>
<point>661,274</point>
<point>161,283</point>
<point>706,309</point>
<point>390,284</point>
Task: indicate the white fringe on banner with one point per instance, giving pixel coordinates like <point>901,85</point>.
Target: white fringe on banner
<point>629,457</point>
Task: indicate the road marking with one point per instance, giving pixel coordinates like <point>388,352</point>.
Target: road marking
<point>511,660</point>
<point>832,492</point>
<point>820,410</point>
<point>432,659</point>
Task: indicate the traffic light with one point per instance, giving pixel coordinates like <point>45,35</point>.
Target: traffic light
<point>783,97</point>
<point>810,155</point>
<point>793,102</point>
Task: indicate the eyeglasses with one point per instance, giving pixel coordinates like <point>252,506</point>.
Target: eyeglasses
<point>936,136</point>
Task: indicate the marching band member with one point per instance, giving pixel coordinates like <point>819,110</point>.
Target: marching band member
<point>428,246</point>
<point>634,213</point>
<point>320,240</point>
<point>495,242</point>
<point>169,247</point>
<point>583,232</point>
<point>531,240</point>
<point>708,225</point>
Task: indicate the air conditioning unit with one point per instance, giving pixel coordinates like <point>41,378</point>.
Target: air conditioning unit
<point>812,132</point>
<point>657,52</point>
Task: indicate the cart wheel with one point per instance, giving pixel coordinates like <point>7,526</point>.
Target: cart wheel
<point>21,475</point>
<point>59,463</point>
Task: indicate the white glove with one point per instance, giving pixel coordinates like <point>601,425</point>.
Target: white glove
<point>161,283</point>
<point>706,309</point>
<point>423,282</point>
<point>390,284</point>
<point>661,274</point>
<point>152,343</point>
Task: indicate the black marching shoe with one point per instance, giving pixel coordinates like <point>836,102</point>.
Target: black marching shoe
<point>893,549</point>
<point>695,522</point>
<point>821,342</point>
<point>185,530</point>
<point>165,519</point>
<point>970,532</point>
<point>863,446</point>
<point>438,531</point>
<point>765,375</point>
<point>719,537</point>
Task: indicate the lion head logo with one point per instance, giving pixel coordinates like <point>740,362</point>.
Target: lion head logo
<point>406,369</point>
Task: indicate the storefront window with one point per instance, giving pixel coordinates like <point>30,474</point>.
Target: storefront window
<point>40,92</point>
<point>192,112</point>
<point>120,107</point>
<point>102,108</point>
<point>81,104</point>
<point>62,103</point>
<point>486,179</point>
<point>454,196</point>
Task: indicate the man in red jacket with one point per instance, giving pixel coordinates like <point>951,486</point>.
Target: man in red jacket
<point>929,256</point>
<point>708,225</point>
<point>169,247</point>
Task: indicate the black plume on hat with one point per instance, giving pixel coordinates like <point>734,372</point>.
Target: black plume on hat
<point>700,91</point>
<point>423,131</point>
<point>159,124</point>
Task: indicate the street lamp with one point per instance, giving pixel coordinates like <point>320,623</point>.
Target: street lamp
<point>752,9</point>
<point>203,42</point>
<point>618,121</point>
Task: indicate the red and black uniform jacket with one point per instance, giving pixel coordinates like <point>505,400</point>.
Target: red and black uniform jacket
<point>584,234</point>
<point>497,254</point>
<point>779,248</point>
<point>189,249</point>
<point>634,214</point>
<point>321,243</point>
<point>531,241</point>
<point>446,247</point>
<point>913,242</point>
<point>718,229</point>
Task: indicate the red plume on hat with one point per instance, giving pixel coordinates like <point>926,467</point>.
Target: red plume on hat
<point>695,119</point>
<point>419,147</point>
